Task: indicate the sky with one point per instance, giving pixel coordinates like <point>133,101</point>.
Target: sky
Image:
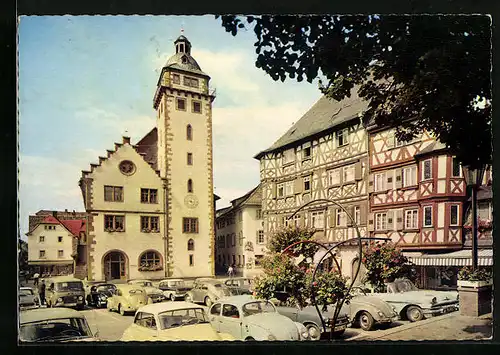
<point>85,81</point>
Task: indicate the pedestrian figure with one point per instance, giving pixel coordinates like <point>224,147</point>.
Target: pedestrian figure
<point>35,278</point>
<point>41,292</point>
<point>230,271</point>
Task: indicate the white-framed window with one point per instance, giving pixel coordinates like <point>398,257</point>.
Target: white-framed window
<point>411,219</point>
<point>289,188</point>
<point>258,214</point>
<point>454,209</point>
<point>428,216</point>
<point>484,210</point>
<point>260,237</point>
<point>306,152</point>
<point>381,221</point>
<point>334,177</point>
<point>348,173</point>
<point>341,218</point>
<point>60,253</point>
<point>281,189</point>
<point>456,168</point>
<point>288,156</point>
<point>318,219</point>
<point>357,214</point>
<point>379,182</point>
<point>342,137</point>
<point>296,220</point>
<point>427,173</point>
<point>410,176</point>
<point>41,254</point>
<point>41,239</point>
<point>59,239</point>
<point>307,183</point>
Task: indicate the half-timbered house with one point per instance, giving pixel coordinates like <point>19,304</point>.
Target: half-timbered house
<point>323,157</point>
<point>417,198</point>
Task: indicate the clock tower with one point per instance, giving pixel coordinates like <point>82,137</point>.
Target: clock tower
<point>183,104</point>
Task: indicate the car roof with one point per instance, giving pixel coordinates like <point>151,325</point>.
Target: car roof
<point>26,288</point>
<point>166,280</point>
<point>138,281</point>
<point>156,308</point>
<point>62,279</point>
<point>40,314</point>
<point>239,300</point>
<point>127,287</point>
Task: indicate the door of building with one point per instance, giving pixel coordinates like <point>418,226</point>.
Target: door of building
<point>115,266</point>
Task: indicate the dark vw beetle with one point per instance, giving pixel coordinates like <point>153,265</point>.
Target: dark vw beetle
<point>99,294</point>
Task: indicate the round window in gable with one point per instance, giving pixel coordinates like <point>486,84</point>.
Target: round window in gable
<point>127,167</point>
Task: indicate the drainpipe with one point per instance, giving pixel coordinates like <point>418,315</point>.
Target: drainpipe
<point>165,233</point>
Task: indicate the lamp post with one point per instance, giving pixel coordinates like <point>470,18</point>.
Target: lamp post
<point>473,178</point>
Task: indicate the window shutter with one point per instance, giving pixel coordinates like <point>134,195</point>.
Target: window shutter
<point>273,190</point>
<point>358,172</point>
<point>390,180</point>
<point>370,184</point>
<point>350,210</point>
<point>371,222</point>
<point>390,220</point>
<point>399,220</point>
<point>362,214</point>
<point>399,179</point>
<point>331,217</point>
<point>390,140</point>
<point>298,185</point>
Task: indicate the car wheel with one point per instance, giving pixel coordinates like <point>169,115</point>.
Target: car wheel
<point>314,331</point>
<point>414,313</point>
<point>208,301</point>
<point>366,321</point>
<point>172,297</point>
<point>121,310</point>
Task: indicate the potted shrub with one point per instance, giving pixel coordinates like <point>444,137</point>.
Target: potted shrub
<point>477,278</point>
<point>475,291</point>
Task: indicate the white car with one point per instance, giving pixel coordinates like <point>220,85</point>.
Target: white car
<point>173,289</point>
<point>153,292</point>
<point>247,318</point>
<point>28,298</point>
<point>172,321</point>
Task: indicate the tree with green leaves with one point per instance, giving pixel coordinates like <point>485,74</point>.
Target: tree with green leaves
<point>417,73</point>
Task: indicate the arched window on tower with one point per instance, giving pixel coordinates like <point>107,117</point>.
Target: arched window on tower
<point>189,132</point>
<point>190,185</point>
<point>190,244</point>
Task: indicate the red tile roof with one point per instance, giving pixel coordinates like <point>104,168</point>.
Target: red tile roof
<point>51,220</point>
<point>75,226</point>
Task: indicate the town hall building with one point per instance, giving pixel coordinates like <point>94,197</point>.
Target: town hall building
<point>151,205</point>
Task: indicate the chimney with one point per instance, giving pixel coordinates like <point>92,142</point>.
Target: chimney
<point>126,140</point>
<point>66,210</point>
<point>54,214</point>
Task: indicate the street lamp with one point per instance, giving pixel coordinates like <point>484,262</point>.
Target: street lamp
<point>473,178</point>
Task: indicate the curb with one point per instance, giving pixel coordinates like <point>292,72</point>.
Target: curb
<point>405,327</point>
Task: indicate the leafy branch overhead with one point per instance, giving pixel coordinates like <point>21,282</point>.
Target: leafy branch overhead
<point>418,73</point>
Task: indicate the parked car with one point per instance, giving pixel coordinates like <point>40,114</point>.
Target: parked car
<point>415,304</point>
<point>173,289</point>
<point>207,291</point>
<point>65,291</point>
<point>48,325</point>
<point>28,298</point>
<point>99,294</point>
<point>367,311</point>
<point>169,321</point>
<point>153,292</point>
<point>309,317</point>
<point>128,298</point>
<point>247,318</point>
<point>239,285</point>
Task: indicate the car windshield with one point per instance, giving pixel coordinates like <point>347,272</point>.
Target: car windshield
<point>252,308</point>
<point>404,286</point>
<point>146,284</point>
<point>55,329</point>
<point>181,317</point>
<point>69,286</point>
<point>135,292</point>
<point>106,288</point>
<point>176,283</point>
<point>26,292</point>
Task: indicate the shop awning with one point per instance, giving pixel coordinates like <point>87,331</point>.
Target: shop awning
<point>51,262</point>
<point>455,258</point>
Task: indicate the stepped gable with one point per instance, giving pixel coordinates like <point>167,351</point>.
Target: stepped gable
<point>125,140</point>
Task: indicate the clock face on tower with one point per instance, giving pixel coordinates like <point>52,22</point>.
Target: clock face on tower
<point>191,201</point>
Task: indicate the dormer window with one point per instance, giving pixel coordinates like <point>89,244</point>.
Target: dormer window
<point>184,60</point>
